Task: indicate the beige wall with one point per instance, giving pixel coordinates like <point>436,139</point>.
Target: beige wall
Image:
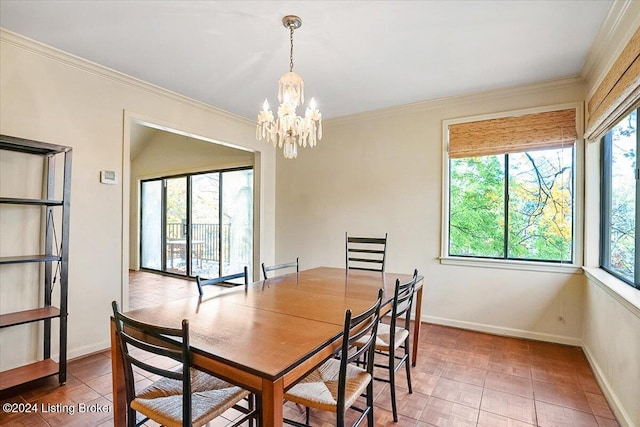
<point>53,97</point>
<point>611,338</point>
<point>27,228</point>
<point>611,343</point>
<point>382,173</point>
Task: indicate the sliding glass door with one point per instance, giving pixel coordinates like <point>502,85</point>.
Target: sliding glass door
<point>198,224</point>
<point>151,218</point>
<point>205,226</point>
<point>237,221</point>
<point>176,220</point>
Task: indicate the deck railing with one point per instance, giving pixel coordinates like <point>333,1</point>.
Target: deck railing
<point>209,235</point>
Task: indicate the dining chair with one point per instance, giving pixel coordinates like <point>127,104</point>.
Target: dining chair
<point>365,253</point>
<point>337,383</point>
<point>223,280</point>
<point>392,341</point>
<point>176,399</point>
<point>294,264</point>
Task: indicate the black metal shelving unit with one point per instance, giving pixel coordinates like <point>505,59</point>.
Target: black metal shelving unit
<point>50,256</point>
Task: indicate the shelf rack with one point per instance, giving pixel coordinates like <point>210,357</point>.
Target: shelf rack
<point>46,311</point>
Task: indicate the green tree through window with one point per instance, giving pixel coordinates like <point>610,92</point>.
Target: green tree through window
<point>513,206</point>
<point>619,252</point>
<point>476,220</point>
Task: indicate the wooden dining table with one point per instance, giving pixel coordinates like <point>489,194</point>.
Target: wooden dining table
<point>267,336</point>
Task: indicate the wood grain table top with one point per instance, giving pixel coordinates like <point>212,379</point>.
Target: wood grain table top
<point>276,323</point>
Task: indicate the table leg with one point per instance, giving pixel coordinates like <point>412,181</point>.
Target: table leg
<point>416,326</point>
<point>272,400</point>
<point>117,378</point>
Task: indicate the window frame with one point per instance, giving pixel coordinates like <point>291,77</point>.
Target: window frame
<point>578,212</point>
<point>605,206</point>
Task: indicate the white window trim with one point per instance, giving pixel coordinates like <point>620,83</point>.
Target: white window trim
<point>626,295</point>
<point>574,267</point>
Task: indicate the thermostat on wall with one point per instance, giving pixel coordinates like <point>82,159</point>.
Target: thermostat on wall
<point>108,177</point>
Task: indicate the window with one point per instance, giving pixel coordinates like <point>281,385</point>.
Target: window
<point>620,237</point>
<point>511,187</point>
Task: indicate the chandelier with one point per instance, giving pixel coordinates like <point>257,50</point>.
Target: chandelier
<point>289,129</point>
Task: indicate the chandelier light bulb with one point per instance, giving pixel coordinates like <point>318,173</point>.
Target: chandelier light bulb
<point>287,129</point>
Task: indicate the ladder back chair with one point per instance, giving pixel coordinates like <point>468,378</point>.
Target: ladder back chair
<point>224,280</point>
<point>289,265</point>
<point>392,342</point>
<point>337,383</point>
<point>366,253</point>
<point>181,397</point>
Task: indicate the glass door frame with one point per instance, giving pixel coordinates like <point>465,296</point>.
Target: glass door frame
<point>188,226</point>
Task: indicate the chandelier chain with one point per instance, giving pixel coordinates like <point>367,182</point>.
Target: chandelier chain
<point>291,52</point>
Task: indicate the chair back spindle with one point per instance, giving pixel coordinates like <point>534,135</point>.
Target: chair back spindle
<point>224,280</point>
<point>366,253</point>
<point>289,265</point>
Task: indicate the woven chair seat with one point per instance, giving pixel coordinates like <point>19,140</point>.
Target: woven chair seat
<point>319,389</point>
<point>383,337</point>
<point>211,396</point>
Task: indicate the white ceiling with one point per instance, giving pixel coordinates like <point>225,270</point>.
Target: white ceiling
<point>354,56</point>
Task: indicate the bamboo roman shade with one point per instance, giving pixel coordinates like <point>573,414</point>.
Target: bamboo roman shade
<point>551,129</point>
<point>617,94</point>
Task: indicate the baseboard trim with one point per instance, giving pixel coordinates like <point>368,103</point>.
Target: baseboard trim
<point>88,350</point>
<point>623,418</point>
<point>73,354</point>
<point>499,330</point>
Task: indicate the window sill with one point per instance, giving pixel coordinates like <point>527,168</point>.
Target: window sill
<point>623,293</point>
<point>513,265</point>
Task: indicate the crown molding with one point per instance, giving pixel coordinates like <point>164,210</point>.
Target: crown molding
<point>453,101</point>
<point>82,64</point>
<point>57,55</point>
<point>620,12</point>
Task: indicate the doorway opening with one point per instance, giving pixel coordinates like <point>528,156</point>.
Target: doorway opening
<point>197,224</point>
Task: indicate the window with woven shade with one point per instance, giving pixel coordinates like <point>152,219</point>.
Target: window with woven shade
<point>511,187</point>
<point>618,94</point>
<point>612,120</point>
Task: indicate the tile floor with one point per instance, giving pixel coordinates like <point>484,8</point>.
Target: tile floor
<point>462,378</point>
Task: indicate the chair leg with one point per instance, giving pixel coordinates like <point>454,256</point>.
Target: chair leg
<point>370,418</point>
<point>392,384</point>
<point>252,407</point>
<point>131,417</point>
<point>407,362</point>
